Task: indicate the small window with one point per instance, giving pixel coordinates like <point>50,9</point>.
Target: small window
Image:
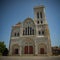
<point>18,34</point>
<point>42,32</point>
<point>33,32</point>
<point>41,22</point>
<point>23,32</point>
<point>37,22</point>
<point>37,14</point>
<point>41,14</point>
<point>39,33</point>
<point>14,34</point>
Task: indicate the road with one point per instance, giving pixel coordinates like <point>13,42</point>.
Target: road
<point>29,58</point>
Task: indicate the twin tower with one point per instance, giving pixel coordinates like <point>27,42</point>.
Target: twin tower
<point>31,37</point>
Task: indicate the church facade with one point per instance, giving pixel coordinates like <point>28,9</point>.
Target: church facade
<point>31,37</point>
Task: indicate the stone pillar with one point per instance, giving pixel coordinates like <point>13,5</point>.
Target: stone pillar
<point>36,48</point>
<point>10,48</point>
<point>27,31</point>
<point>10,51</point>
<point>49,48</point>
<point>20,51</point>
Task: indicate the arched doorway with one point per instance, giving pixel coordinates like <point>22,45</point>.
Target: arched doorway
<point>42,48</point>
<point>15,49</point>
<point>28,46</point>
<point>28,50</point>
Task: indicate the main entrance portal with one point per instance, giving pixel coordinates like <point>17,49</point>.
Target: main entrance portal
<point>28,50</point>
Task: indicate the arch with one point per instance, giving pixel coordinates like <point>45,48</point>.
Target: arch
<point>27,40</point>
<point>28,46</point>
<point>15,49</point>
<point>28,20</point>
<point>29,27</point>
<point>42,49</point>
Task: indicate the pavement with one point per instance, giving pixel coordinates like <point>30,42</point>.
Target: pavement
<point>29,57</point>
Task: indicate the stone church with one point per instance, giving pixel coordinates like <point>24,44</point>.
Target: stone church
<point>31,37</point>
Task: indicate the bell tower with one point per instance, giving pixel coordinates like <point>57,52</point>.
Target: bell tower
<point>42,30</point>
<point>40,20</point>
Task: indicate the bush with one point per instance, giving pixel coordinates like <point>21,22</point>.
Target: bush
<point>5,53</point>
<point>0,54</point>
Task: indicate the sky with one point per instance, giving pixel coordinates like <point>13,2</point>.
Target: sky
<point>14,11</point>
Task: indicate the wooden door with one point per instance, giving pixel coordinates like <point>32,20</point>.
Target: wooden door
<point>41,50</point>
<point>30,49</point>
<point>26,50</point>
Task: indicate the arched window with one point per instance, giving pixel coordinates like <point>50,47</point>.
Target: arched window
<point>18,34</point>
<point>28,31</point>
<point>41,22</point>
<point>37,22</point>
<point>29,26</point>
<point>23,32</point>
<point>41,14</point>
<point>15,34</point>
<point>42,32</point>
<point>37,14</point>
<point>32,31</point>
<point>39,32</point>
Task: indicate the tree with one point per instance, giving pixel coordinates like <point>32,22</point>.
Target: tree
<point>2,47</point>
<point>5,53</point>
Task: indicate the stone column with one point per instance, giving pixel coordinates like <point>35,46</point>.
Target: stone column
<point>27,30</point>
<point>36,48</point>
<point>20,51</point>
<point>10,48</point>
<point>49,48</point>
<point>10,52</point>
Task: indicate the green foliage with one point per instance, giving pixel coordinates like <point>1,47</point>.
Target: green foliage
<point>2,47</point>
<point>5,53</point>
<point>0,54</point>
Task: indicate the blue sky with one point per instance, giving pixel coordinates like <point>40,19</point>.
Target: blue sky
<point>14,11</point>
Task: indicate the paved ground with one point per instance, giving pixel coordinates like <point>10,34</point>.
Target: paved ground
<point>30,58</point>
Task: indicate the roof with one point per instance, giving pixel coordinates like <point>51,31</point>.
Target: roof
<point>17,25</point>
